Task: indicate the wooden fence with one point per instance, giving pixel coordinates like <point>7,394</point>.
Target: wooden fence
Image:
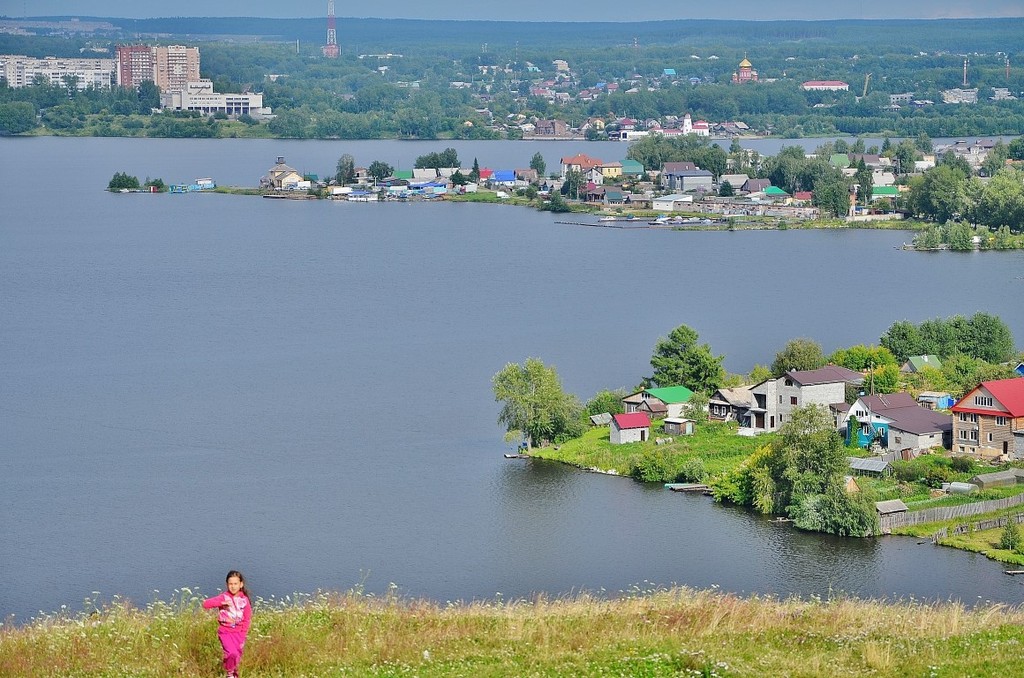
<point>990,524</point>
<point>934,515</point>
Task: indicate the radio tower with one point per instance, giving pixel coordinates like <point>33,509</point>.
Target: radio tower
<point>331,49</point>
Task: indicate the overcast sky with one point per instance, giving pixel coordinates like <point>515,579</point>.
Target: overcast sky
<point>531,10</point>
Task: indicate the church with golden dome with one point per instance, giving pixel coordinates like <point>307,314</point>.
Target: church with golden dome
<point>746,73</point>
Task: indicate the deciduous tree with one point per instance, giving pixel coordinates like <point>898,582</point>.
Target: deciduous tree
<point>380,170</point>
<point>346,171</point>
<point>537,163</point>
<point>798,354</point>
<point>861,357</point>
<point>17,117</point>
<point>865,182</point>
<point>606,401</point>
<point>534,404</point>
<point>903,339</point>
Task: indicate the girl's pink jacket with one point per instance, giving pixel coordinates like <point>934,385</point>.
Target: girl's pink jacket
<point>237,613</point>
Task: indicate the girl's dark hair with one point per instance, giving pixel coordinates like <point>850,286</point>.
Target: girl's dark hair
<point>241,578</point>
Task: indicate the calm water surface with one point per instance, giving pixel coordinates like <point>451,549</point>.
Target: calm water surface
<point>302,389</point>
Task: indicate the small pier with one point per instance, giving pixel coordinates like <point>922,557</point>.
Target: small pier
<point>619,223</point>
<point>687,487</point>
<point>289,196</point>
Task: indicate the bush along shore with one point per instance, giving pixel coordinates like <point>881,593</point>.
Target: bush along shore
<point>678,632</point>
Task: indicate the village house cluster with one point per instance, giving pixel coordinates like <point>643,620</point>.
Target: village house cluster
<point>986,424</point>
<point>626,184</point>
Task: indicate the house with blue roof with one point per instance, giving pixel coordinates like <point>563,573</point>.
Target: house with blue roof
<point>503,178</point>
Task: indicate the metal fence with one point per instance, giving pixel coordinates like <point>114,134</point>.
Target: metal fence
<point>934,515</point>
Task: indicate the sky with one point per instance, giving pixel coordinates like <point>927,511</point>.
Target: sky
<point>530,10</point>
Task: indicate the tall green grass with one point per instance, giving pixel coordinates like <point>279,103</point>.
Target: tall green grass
<point>715,443</point>
<point>678,632</point>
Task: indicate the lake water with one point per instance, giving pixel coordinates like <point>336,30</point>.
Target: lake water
<point>301,390</point>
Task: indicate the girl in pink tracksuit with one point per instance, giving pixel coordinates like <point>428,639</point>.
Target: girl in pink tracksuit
<point>233,619</point>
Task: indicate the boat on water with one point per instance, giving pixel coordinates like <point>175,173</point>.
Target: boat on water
<point>201,184</point>
<point>608,219</point>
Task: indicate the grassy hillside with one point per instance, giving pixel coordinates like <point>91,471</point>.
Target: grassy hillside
<point>681,632</point>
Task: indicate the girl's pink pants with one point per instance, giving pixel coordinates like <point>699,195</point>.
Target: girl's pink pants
<point>233,642</point>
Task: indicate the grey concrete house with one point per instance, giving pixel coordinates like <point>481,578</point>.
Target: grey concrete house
<point>687,180</point>
<point>775,399</point>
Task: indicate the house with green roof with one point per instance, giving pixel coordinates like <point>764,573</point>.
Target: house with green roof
<point>632,168</point>
<point>614,196</point>
<point>775,193</point>
<point>880,192</point>
<point>916,362</point>
<point>840,160</point>
<point>668,401</point>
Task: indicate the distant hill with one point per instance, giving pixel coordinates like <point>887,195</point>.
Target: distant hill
<point>957,35</point>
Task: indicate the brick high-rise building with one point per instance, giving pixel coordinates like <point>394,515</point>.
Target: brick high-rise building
<point>175,66</point>
<point>134,64</point>
<point>171,67</point>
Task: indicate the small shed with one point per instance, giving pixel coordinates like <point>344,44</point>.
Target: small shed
<point>602,419</point>
<point>936,400</point>
<point>887,508</point>
<point>634,427</point>
<point>850,485</point>
<point>679,426</point>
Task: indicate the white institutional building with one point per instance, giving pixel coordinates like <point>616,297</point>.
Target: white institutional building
<point>199,96</point>
<point>20,71</point>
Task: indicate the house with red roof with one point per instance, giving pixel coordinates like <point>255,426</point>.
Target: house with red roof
<point>581,162</point>
<point>989,421</point>
<point>634,427</point>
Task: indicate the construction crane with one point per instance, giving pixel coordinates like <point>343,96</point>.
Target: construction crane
<point>867,78</point>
